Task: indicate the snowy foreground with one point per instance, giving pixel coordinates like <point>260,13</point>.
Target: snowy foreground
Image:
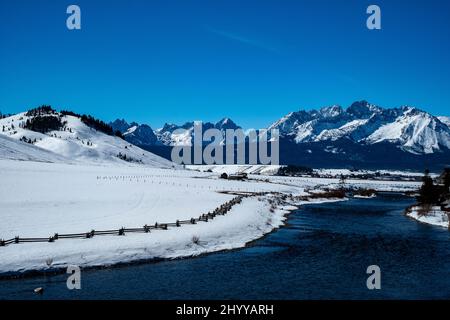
<point>433,215</point>
<point>39,199</point>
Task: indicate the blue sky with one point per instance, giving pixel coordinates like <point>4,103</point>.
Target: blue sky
<point>159,61</point>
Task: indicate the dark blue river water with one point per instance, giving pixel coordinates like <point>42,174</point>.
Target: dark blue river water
<point>322,253</point>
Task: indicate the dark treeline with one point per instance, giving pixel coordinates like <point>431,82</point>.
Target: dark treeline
<point>435,193</point>
<point>40,111</point>
<point>43,119</point>
<point>2,116</point>
<point>293,170</point>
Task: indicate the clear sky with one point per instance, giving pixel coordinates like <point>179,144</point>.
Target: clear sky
<point>158,61</point>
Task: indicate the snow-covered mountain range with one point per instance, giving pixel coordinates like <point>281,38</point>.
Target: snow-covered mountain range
<point>362,135</point>
<point>408,128</point>
<point>167,135</point>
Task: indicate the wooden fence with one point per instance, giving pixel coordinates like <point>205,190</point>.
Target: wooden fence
<point>221,210</point>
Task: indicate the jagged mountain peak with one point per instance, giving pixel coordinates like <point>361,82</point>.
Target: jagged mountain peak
<point>167,127</point>
<point>412,129</point>
<point>226,123</point>
<point>415,131</point>
<point>120,125</point>
<point>362,109</point>
<point>407,127</point>
<point>331,111</point>
<point>135,133</point>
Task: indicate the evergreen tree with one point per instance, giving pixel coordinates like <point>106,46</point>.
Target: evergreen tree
<point>342,181</point>
<point>446,179</point>
<point>428,193</point>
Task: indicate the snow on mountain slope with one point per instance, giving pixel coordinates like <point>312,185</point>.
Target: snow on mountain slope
<point>346,129</point>
<point>362,122</point>
<point>138,134</point>
<point>416,131</point>
<point>328,123</point>
<point>174,135</point>
<point>289,123</point>
<point>413,130</point>
<point>79,142</point>
<point>445,120</point>
<point>17,150</point>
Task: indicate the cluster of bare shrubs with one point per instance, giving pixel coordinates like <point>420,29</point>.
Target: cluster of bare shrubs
<point>329,193</point>
<point>424,209</point>
<point>364,192</point>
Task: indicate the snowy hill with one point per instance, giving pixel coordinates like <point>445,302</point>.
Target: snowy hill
<point>12,149</point>
<point>74,140</point>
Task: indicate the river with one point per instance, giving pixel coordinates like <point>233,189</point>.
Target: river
<point>322,253</point>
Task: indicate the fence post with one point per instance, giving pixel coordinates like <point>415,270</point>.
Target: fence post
<point>221,210</point>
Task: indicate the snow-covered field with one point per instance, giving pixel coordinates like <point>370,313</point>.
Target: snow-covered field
<point>273,169</point>
<point>234,169</point>
<point>39,199</point>
<point>72,181</point>
<point>347,172</point>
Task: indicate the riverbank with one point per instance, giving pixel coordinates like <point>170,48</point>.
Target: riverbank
<point>433,215</point>
<point>67,199</point>
<point>321,252</point>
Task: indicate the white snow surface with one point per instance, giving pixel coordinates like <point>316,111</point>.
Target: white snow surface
<point>344,130</point>
<point>435,216</point>
<point>82,145</point>
<point>417,132</point>
<point>38,199</point>
<point>16,150</point>
<point>412,129</point>
<point>346,172</point>
<point>445,120</point>
<point>234,169</point>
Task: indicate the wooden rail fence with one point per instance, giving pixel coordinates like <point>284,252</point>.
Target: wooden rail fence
<point>221,210</point>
